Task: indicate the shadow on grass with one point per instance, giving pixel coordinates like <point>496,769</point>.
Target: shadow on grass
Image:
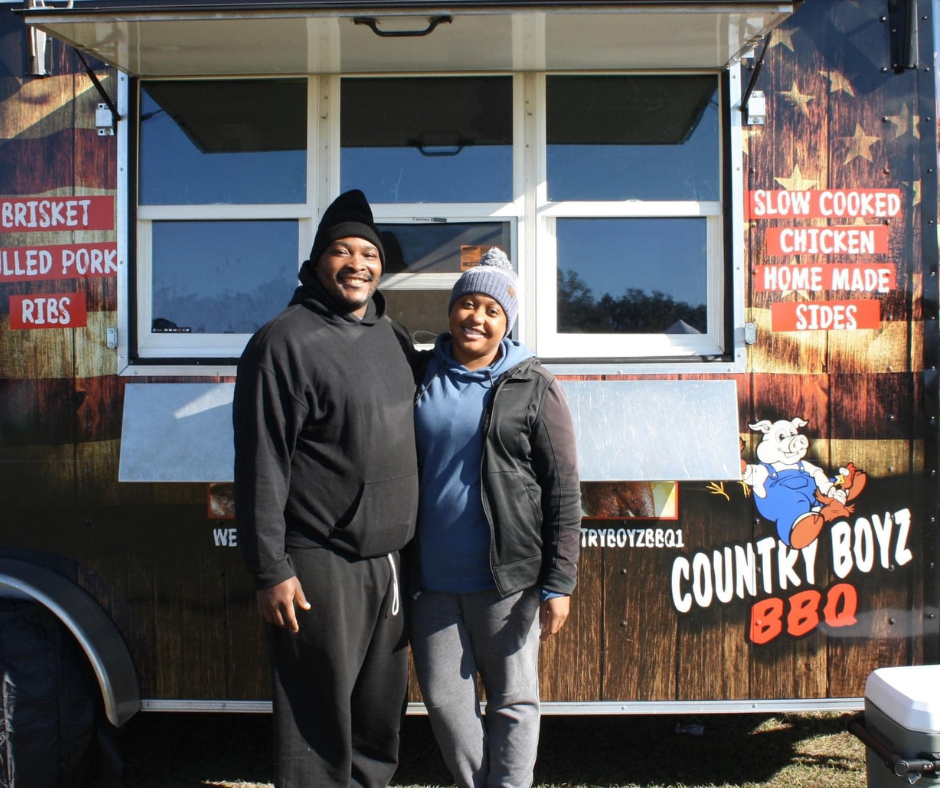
<point>164,750</point>
<point>196,750</point>
<point>651,751</point>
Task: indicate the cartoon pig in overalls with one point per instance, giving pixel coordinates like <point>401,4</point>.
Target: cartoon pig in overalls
<point>793,493</point>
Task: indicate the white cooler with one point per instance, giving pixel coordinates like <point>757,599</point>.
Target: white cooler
<point>902,714</point>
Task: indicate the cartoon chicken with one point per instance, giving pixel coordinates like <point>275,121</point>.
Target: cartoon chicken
<point>795,494</point>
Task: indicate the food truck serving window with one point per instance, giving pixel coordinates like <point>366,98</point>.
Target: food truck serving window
<point>221,189</point>
<point>633,192</point>
<point>606,190</point>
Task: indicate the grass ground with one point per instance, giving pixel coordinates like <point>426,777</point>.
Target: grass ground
<point>728,751</point>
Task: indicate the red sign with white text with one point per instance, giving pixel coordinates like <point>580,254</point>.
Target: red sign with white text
<point>825,315</point>
<point>59,310</point>
<point>26,214</point>
<point>73,261</point>
<point>860,278</point>
<point>839,239</point>
<point>823,204</point>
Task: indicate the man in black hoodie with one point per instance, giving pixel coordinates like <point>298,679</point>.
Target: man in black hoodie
<point>326,494</point>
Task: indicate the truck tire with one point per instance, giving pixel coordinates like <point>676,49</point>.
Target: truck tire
<point>50,703</point>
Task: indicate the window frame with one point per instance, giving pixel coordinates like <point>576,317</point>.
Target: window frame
<point>633,347</point>
<point>404,283</point>
<point>532,218</point>
<point>456,212</point>
<point>185,345</point>
<point>152,351</point>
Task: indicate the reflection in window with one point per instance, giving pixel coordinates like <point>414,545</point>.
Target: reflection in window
<point>422,312</point>
<point>439,248</point>
<point>632,138</point>
<point>221,277</point>
<point>427,139</point>
<point>441,251</point>
<point>632,276</point>
<point>230,142</point>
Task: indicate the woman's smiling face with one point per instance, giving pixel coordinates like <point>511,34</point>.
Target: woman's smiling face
<point>477,325</point>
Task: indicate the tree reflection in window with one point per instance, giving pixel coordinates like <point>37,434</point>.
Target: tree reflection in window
<point>634,312</point>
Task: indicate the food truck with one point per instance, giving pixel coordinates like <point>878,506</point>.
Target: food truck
<point>723,215</point>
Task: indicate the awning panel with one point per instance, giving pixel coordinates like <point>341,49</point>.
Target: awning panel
<point>221,39</point>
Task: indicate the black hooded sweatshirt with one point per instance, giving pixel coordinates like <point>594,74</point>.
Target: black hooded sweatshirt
<point>324,434</point>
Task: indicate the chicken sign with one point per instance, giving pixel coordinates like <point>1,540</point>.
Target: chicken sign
<point>828,256</point>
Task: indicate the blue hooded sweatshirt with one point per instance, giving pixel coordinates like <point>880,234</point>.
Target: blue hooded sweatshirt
<point>453,532</point>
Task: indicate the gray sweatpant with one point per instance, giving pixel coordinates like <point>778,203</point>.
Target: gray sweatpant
<point>455,636</point>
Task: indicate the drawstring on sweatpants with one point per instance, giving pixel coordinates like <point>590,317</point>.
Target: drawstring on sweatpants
<point>396,602</point>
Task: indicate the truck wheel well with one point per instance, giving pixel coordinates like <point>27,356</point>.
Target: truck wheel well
<point>91,626</point>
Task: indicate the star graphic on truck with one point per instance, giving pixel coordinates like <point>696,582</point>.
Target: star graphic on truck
<point>859,145</point>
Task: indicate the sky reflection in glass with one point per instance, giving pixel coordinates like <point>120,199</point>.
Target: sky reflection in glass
<point>222,277</point>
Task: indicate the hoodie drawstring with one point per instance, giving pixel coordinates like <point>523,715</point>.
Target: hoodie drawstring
<point>396,600</point>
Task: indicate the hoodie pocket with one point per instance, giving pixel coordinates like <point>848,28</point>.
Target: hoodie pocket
<point>384,519</point>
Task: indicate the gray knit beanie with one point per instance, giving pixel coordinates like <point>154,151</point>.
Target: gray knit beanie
<point>493,277</point>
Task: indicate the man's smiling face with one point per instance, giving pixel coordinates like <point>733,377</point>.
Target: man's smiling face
<point>349,269</point>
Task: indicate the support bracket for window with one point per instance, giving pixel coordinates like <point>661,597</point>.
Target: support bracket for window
<point>105,129</point>
<point>756,114</point>
<point>373,24</point>
<point>39,51</point>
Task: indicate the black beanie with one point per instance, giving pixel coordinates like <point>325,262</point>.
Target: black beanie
<point>349,215</point>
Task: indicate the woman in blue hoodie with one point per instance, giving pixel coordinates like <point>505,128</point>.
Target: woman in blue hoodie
<point>498,531</point>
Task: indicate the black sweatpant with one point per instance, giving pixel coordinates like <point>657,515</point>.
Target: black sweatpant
<point>339,683</point>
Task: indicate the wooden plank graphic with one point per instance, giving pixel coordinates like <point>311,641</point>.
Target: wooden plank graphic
<point>55,158</point>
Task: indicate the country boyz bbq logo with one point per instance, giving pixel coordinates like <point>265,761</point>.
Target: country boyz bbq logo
<point>786,578</point>
<point>805,506</point>
<point>818,543</point>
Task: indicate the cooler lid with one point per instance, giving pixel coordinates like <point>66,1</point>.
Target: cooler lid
<point>908,695</point>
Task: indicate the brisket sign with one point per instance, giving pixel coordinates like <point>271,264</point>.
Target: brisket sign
<point>25,214</point>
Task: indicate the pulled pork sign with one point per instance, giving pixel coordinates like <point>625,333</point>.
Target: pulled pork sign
<point>69,261</point>
<point>55,262</point>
